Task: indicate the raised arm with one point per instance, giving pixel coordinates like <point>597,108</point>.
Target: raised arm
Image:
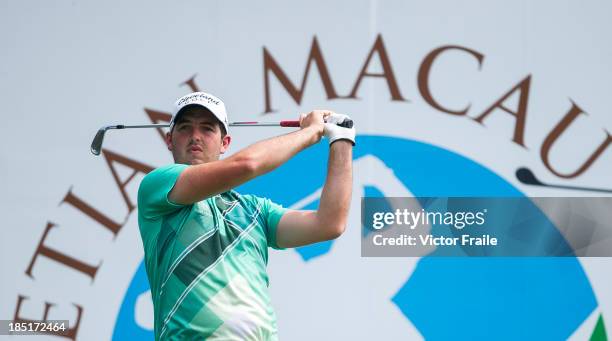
<point>297,228</point>
<point>201,181</point>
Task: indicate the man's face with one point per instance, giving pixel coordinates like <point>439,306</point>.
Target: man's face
<point>197,137</point>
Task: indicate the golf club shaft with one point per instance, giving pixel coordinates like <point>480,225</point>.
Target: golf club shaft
<point>96,144</point>
<point>231,124</point>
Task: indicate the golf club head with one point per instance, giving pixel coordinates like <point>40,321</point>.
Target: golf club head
<point>96,144</point>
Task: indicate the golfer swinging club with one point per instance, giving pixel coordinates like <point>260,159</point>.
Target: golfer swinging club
<point>205,245</point>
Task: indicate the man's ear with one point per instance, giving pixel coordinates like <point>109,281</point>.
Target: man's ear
<point>225,142</point>
<point>169,140</point>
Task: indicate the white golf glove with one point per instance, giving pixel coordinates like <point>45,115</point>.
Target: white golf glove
<point>334,132</point>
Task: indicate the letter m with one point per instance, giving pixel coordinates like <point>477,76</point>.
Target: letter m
<point>296,93</point>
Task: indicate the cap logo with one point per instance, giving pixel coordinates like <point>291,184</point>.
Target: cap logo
<point>197,98</point>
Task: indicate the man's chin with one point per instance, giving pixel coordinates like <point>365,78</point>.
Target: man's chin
<point>189,161</point>
<point>196,162</point>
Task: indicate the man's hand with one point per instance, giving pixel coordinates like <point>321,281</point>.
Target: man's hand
<point>334,132</point>
<point>315,121</point>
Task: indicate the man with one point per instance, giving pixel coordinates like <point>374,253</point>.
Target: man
<point>206,245</point>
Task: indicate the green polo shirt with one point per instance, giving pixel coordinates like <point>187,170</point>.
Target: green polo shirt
<point>206,262</point>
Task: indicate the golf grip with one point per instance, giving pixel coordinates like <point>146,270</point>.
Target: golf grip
<point>345,124</point>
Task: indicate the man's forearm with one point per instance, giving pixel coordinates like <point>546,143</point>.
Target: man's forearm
<point>268,154</point>
<point>336,196</point>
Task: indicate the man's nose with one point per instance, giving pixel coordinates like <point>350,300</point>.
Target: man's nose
<point>196,135</point>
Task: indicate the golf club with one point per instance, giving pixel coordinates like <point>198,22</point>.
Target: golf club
<point>526,176</point>
<point>96,144</point>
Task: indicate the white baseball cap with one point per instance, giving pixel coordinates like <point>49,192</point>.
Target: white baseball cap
<point>208,101</point>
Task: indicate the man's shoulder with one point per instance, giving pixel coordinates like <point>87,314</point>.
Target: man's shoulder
<point>163,173</point>
<point>154,188</point>
<point>172,167</point>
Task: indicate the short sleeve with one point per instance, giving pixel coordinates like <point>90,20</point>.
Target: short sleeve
<point>274,213</point>
<point>153,192</point>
